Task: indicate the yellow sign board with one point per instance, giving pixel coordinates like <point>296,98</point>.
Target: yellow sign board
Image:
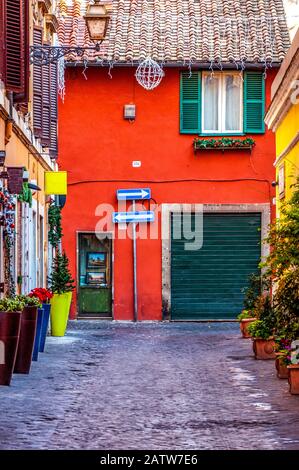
<point>56,182</point>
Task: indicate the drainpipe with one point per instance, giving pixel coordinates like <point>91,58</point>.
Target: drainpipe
<point>8,125</point>
<point>10,99</point>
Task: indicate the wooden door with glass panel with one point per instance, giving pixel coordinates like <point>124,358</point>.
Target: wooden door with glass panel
<point>95,285</point>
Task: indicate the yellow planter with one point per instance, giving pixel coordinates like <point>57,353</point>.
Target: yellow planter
<point>60,308</point>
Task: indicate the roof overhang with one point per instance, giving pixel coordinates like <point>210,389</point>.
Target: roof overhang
<point>192,66</point>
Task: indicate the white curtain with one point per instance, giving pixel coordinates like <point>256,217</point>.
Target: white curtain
<point>232,102</point>
<point>211,98</point>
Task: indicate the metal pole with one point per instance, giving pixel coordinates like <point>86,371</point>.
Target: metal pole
<point>135,268</point>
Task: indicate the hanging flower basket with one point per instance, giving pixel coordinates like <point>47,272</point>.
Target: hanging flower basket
<point>223,144</point>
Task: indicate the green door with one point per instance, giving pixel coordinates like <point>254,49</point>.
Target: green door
<point>95,276</point>
<point>207,283</point>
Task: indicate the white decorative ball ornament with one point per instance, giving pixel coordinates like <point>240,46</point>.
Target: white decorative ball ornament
<point>149,74</point>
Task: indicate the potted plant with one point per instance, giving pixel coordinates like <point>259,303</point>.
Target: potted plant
<point>27,334</point>
<point>245,318</point>
<point>262,330</point>
<point>251,292</point>
<point>294,378</point>
<point>10,324</point>
<point>282,266</point>
<point>282,347</point>
<point>263,341</point>
<point>286,300</point>
<point>44,296</point>
<point>61,284</point>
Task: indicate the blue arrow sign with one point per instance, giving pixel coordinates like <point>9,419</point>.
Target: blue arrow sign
<point>138,216</point>
<point>133,194</point>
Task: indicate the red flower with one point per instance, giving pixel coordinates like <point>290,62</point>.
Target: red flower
<point>44,295</point>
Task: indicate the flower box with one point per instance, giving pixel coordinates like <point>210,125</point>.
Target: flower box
<point>223,144</point>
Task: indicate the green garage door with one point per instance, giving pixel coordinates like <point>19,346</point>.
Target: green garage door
<point>206,284</point>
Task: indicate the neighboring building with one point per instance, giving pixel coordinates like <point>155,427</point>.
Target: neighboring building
<point>283,118</point>
<point>215,85</point>
<point>28,136</point>
<point>292,14</point>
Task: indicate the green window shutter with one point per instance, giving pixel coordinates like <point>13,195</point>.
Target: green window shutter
<point>190,103</point>
<point>254,103</point>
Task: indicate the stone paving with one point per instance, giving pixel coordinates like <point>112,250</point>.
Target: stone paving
<point>149,386</point>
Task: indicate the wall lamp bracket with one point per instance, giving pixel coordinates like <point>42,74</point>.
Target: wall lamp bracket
<point>45,55</point>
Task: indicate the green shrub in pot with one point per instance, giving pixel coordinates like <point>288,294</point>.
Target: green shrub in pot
<point>61,284</point>
<point>13,304</point>
<point>29,301</point>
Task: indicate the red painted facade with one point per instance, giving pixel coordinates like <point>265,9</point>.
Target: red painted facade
<point>97,144</point>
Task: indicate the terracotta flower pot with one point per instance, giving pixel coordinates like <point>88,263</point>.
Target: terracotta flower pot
<point>26,341</point>
<point>264,348</point>
<point>281,368</point>
<point>244,324</point>
<point>10,323</point>
<point>294,378</point>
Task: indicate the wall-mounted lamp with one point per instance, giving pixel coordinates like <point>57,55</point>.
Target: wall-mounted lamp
<point>97,19</point>
<point>130,112</point>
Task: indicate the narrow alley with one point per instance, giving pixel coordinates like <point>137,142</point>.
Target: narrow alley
<point>149,386</point>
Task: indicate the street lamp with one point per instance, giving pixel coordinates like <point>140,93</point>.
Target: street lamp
<point>97,19</point>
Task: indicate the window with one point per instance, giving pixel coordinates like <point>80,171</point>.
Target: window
<point>14,45</point>
<point>45,96</point>
<point>222,103</point>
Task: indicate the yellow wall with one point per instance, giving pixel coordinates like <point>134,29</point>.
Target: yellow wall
<point>285,133</point>
<point>287,129</point>
<point>17,154</point>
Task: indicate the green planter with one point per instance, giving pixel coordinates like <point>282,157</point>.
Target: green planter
<point>60,308</point>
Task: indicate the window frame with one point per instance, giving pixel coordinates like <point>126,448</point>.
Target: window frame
<point>221,104</point>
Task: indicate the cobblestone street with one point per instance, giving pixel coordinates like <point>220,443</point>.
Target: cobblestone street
<point>149,386</point>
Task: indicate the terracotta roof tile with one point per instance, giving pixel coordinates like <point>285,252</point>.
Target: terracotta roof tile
<point>182,30</point>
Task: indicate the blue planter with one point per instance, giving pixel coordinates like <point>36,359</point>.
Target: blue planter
<point>45,324</point>
<point>40,314</point>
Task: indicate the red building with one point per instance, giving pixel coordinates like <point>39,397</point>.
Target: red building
<point>216,60</point>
